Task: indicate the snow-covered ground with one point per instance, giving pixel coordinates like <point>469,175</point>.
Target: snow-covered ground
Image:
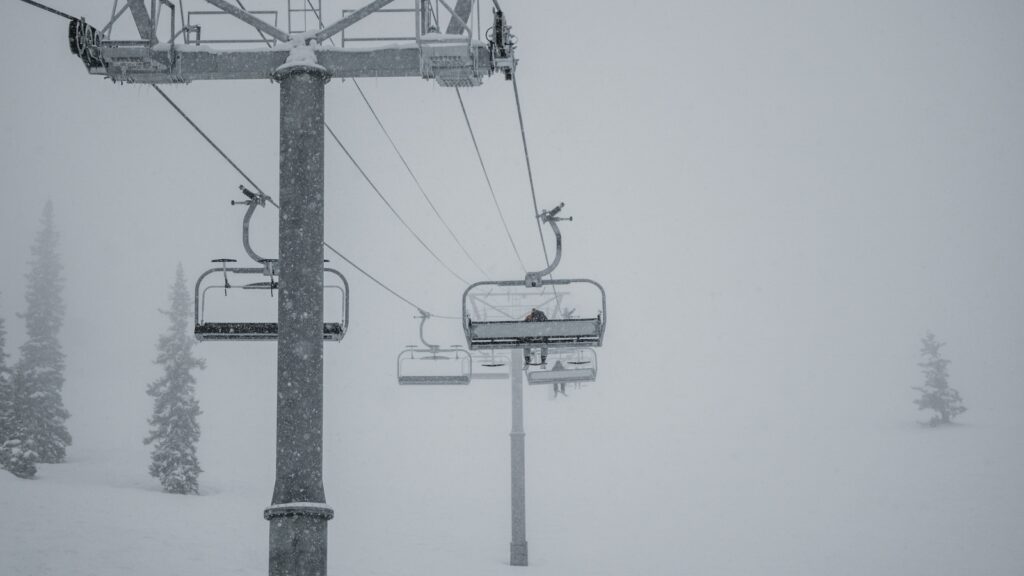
<point>725,480</point>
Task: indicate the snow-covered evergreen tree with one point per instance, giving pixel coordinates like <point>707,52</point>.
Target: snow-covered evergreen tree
<point>6,389</point>
<point>12,458</point>
<point>174,428</point>
<point>38,378</point>
<point>937,394</point>
<point>18,460</point>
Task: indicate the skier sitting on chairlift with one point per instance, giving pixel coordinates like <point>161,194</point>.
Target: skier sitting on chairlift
<point>536,316</point>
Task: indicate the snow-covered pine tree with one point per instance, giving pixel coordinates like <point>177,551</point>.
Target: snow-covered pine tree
<point>937,394</point>
<point>174,428</point>
<point>13,457</point>
<point>6,389</point>
<point>39,374</point>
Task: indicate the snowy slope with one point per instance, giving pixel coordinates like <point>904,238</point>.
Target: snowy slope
<point>699,487</point>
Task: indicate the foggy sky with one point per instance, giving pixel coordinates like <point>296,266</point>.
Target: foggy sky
<point>780,198</point>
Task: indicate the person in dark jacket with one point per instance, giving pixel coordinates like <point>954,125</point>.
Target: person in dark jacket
<point>536,316</point>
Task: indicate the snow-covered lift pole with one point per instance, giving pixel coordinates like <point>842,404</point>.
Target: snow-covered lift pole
<point>518,549</point>
<point>518,552</point>
<point>298,513</point>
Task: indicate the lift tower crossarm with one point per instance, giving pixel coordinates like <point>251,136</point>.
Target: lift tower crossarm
<point>142,20</point>
<point>351,19</point>
<point>160,65</point>
<point>249,19</point>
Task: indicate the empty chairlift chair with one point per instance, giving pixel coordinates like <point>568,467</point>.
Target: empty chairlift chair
<point>430,364</point>
<point>238,296</point>
<point>566,366</point>
<point>335,289</point>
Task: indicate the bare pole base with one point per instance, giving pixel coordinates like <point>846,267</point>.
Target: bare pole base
<point>298,539</point>
<point>518,554</point>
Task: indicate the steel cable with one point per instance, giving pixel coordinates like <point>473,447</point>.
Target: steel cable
<point>417,181</point>
<point>48,9</point>
<point>529,170</point>
<point>275,205</point>
<point>494,197</point>
<point>392,208</point>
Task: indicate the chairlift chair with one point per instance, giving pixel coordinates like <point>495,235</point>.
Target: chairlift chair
<point>222,330</point>
<point>566,366</point>
<point>206,330</point>
<point>532,313</point>
<point>430,364</point>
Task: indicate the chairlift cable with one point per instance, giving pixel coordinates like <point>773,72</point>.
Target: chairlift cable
<point>408,169</point>
<point>529,169</point>
<point>529,172</point>
<point>385,286</point>
<point>417,181</point>
<point>488,179</point>
<point>402,158</point>
<point>209,141</point>
<point>358,167</point>
<point>394,146</point>
<point>275,205</point>
<point>392,208</point>
<point>48,9</point>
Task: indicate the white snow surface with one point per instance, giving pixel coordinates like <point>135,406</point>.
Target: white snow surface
<point>703,485</point>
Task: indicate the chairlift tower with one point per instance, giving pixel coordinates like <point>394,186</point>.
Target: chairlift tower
<point>542,322</point>
<point>301,63</point>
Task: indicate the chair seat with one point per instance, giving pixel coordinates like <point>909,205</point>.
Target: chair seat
<point>548,333</point>
<point>433,380</point>
<point>333,331</point>
<point>556,376</point>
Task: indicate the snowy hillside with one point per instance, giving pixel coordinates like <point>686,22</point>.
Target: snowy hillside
<point>702,486</point>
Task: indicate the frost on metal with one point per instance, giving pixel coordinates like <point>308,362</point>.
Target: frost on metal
<point>302,54</point>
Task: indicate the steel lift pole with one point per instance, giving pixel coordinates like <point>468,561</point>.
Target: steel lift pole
<point>518,552</point>
<point>298,513</point>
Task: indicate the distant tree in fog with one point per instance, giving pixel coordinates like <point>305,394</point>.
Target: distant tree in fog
<point>13,457</point>
<point>6,389</point>
<point>38,378</point>
<point>174,426</point>
<point>937,394</point>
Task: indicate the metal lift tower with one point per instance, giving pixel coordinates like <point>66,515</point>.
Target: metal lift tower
<point>301,63</point>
